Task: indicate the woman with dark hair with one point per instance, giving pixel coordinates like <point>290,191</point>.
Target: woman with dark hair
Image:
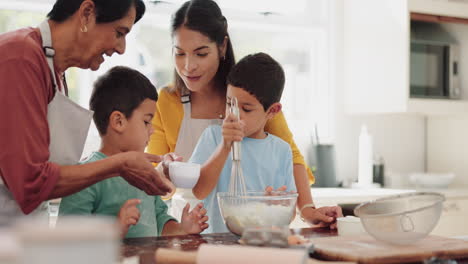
<point>42,131</point>
<point>203,56</point>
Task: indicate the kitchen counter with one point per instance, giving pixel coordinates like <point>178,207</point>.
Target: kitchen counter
<point>145,247</point>
<point>333,196</point>
<point>348,198</point>
<point>142,250</point>
<point>452,221</point>
<point>345,196</point>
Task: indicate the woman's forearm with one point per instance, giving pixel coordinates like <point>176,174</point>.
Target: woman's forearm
<point>74,178</point>
<point>302,185</point>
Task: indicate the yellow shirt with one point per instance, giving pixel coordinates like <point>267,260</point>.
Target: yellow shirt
<point>170,113</point>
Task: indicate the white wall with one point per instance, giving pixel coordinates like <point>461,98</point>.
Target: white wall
<point>447,139</point>
<point>448,147</point>
<point>400,139</point>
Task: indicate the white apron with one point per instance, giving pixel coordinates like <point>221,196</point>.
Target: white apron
<point>189,133</point>
<point>68,126</point>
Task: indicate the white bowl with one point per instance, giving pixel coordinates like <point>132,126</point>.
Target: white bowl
<point>350,225</point>
<point>184,174</point>
<point>432,180</point>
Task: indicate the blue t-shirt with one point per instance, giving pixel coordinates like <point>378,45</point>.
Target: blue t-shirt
<point>265,162</point>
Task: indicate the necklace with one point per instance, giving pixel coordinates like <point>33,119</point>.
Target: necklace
<point>219,113</point>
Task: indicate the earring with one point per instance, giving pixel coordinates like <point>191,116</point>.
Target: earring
<point>84,29</point>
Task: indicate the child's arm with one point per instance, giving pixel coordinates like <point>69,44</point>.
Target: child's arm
<point>128,215</point>
<point>193,222</point>
<point>211,169</point>
<point>209,173</point>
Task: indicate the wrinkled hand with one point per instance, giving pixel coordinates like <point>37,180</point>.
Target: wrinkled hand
<point>137,170</point>
<point>323,216</point>
<point>233,130</point>
<point>128,215</point>
<point>194,222</point>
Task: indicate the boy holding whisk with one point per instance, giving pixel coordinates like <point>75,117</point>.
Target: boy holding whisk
<point>257,81</point>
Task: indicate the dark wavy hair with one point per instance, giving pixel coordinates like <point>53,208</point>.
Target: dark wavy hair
<point>205,16</point>
<point>106,10</point>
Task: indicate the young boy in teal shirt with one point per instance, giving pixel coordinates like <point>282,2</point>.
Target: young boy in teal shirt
<point>257,81</point>
<point>124,102</point>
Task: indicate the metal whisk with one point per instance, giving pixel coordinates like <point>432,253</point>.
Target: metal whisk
<point>237,183</point>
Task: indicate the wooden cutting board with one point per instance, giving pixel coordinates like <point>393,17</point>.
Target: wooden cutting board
<point>365,249</point>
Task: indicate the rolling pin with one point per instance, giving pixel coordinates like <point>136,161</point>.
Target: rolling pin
<point>221,254</point>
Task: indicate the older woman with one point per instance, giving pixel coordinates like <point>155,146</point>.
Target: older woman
<point>203,56</point>
<point>42,131</point>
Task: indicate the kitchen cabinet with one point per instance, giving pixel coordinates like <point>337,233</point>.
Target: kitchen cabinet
<point>376,51</point>
<point>451,8</point>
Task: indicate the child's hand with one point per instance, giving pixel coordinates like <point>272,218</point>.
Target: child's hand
<point>278,192</point>
<point>168,158</point>
<point>129,215</point>
<point>233,130</point>
<point>194,222</point>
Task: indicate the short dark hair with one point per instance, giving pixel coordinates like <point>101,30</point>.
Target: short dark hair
<point>120,89</point>
<point>260,75</point>
<point>106,10</point>
<point>205,16</point>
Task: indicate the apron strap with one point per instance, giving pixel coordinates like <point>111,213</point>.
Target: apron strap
<point>49,52</point>
<point>187,110</point>
<point>184,99</point>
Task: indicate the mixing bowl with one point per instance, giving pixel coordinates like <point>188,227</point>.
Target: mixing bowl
<point>401,219</point>
<point>255,209</point>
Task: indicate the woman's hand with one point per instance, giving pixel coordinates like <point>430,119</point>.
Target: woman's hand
<point>233,130</point>
<point>323,216</point>
<point>137,170</point>
<point>194,222</point>
<point>128,215</point>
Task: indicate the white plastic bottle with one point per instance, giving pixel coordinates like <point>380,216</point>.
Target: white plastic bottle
<point>365,158</point>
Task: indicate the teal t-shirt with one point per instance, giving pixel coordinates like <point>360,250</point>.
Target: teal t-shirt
<point>108,196</point>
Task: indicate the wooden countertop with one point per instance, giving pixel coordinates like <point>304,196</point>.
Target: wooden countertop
<point>145,247</point>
